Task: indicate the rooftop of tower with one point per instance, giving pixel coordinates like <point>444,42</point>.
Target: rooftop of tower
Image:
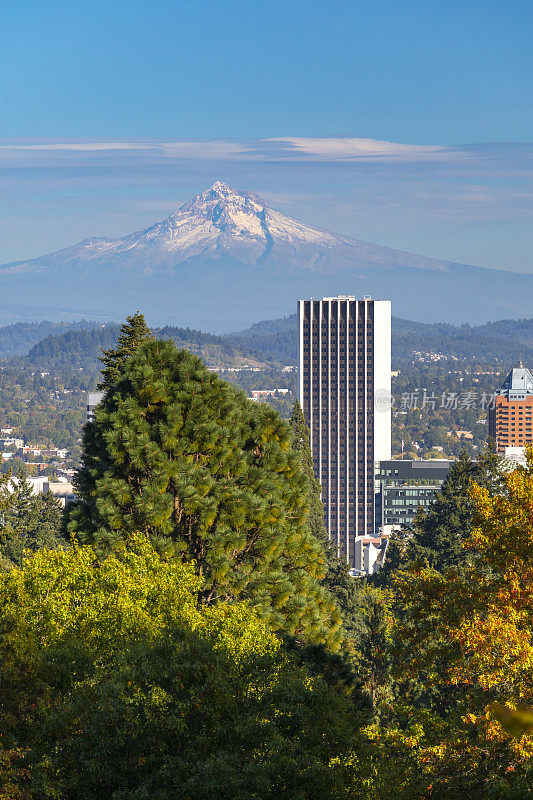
<point>518,381</point>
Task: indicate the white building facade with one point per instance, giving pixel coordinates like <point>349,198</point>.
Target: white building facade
<point>93,399</point>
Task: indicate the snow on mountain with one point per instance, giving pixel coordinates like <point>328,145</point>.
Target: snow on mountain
<point>222,223</point>
<point>225,259</point>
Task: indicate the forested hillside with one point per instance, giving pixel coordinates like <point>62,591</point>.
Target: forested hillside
<point>17,339</point>
<point>78,344</point>
<point>274,339</point>
<point>77,349</point>
<point>496,341</point>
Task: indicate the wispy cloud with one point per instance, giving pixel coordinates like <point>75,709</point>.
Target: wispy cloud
<point>279,149</point>
<point>74,147</point>
<point>213,149</point>
<point>275,149</point>
<point>351,148</point>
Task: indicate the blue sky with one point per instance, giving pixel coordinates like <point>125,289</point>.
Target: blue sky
<point>228,77</point>
<point>444,71</point>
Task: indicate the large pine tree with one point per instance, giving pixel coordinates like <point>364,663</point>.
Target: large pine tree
<point>185,458</point>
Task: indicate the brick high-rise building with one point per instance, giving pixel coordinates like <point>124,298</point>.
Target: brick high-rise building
<point>511,416</point>
<point>344,389</point>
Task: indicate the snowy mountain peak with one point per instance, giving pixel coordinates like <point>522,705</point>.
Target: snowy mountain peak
<point>223,224</point>
<point>226,258</point>
<point>221,202</point>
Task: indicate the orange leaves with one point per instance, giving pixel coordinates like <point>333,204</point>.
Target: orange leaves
<point>503,530</point>
<point>473,629</point>
<point>495,648</point>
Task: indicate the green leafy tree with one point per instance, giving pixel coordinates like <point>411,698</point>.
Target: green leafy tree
<point>119,685</point>
<point>132,335</point>
<point>14,778</point>
<point>374,654</point>
<point>182,456</point>
<point>464,654</point>
<point>438,533</point>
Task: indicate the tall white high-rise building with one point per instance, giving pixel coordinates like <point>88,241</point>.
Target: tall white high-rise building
<point>345,394</point>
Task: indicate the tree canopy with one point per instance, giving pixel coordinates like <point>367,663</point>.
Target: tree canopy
<point>117,684</point>
<point>464,653</point>
<point>438,534</point>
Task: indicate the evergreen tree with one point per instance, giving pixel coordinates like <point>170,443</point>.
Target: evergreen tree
<point>6,533</point>
<point>28,522</point>
<point>185,458</point>
<point>133,334</point>
<point>301,447</point>
<point>439,532</point>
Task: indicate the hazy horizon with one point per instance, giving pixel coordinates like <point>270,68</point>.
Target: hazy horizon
<point>472,204</point>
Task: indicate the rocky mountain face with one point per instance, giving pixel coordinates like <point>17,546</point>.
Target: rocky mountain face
<point>226,259</point>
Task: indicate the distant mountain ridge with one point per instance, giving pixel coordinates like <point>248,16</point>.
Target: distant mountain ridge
<point>225,259</point>
<point>275,341</point>
<point>18,338</point>
<point>503,340</point>
<point>75,349</point>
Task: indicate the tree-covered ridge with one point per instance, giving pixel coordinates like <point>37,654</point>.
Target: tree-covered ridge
<point>75,349</point>
<point>494,341</point>
<point>275,339</point>
<point>500,341</point>
<point>19,337</point>
<point>272,340</point>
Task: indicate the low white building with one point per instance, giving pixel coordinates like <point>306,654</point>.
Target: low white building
<point>62,489</point>
<point>370,552</point>
<point>11,443</point>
